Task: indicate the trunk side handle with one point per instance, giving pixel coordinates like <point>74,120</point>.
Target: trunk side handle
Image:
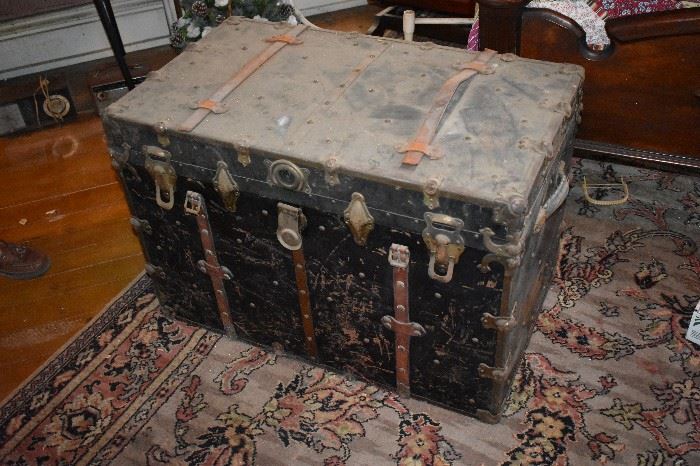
<point>555,200</point>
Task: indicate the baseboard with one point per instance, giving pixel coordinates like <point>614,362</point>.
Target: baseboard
<point>315,7</point>
<point>632,156</point>
<point>75,35</point>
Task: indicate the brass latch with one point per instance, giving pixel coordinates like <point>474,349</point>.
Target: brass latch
<point>158,166</point>
<point>290,223</point>
<point>442,236</point>
<point>226,186</point>
<point>358,219</point>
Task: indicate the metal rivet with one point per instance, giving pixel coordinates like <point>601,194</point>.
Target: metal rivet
<point>475,340</point>
<point>239,241</point>
<point>336,358</point>
<point>308,122</point>
<point>361,275</point>
<point>306,316</point>
<point>471,401</point>
<point>299,266</point>
<point>436,361</point>
<point>365,340</point>
<point>252,305</point>
<point>308,338</point>
<point>265,212</point>
<point>400,284</point>
<point>275,282</point>
<point>286,342</point>
<point>321,228</point>
<point>329,299</point>
<point>438,295</point>
<point>400,308</point>
<point>370,90</point>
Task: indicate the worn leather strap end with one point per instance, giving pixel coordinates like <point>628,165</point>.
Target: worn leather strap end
<point>211,105</point>
<point>414,152</point>
<point>481,68</point>
<point>286,38</point>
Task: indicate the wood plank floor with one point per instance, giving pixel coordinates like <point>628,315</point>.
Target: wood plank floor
<point>58,193</point>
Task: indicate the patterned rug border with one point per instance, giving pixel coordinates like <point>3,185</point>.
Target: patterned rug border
<point>47,371</point>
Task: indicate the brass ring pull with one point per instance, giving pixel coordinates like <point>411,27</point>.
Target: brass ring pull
<point>441,278</point>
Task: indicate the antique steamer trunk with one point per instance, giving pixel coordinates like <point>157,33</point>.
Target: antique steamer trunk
<point>387,209</point>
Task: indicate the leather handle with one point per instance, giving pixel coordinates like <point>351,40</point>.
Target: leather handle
<point>555,200</point>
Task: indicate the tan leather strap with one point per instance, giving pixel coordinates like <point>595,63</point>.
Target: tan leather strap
<point>399,323</point>
<point>195,205</point>
<point>304,302</point>
<point>420,145</point>
<point>277,43</point>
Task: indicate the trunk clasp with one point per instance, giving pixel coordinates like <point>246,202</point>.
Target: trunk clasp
<point>442,236</point>
<point>290,223</point>
<point>159,167</point>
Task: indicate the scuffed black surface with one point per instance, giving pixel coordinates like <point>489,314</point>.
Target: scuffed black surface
<point>347,306</point>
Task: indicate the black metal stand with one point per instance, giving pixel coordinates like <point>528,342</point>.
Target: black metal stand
<point>104,9</point>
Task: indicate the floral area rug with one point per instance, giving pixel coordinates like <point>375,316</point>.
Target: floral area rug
<point>607,378</point>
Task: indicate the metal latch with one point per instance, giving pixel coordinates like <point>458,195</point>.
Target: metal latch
<point>442,236</point>
<point>226,186</point>
<point>290,223</point>
<point>358,219</point>
<point>158,166</point>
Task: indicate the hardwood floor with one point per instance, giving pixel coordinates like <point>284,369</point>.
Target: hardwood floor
<point>58,193</point>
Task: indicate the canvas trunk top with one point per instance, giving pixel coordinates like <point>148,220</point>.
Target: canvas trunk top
<point>477,127</point>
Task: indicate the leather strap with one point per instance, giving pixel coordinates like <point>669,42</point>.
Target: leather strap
<point>399,257</point>
<point>304,302</point>
<point>277,43</point>
<point>195,205</point>
<point>420,145</point>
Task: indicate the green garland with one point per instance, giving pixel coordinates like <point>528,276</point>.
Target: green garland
<point>200,16</point>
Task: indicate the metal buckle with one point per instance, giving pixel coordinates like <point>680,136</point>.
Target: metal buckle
<point>442,236</point>
<point>399,256</point>
<point>193,203</point>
